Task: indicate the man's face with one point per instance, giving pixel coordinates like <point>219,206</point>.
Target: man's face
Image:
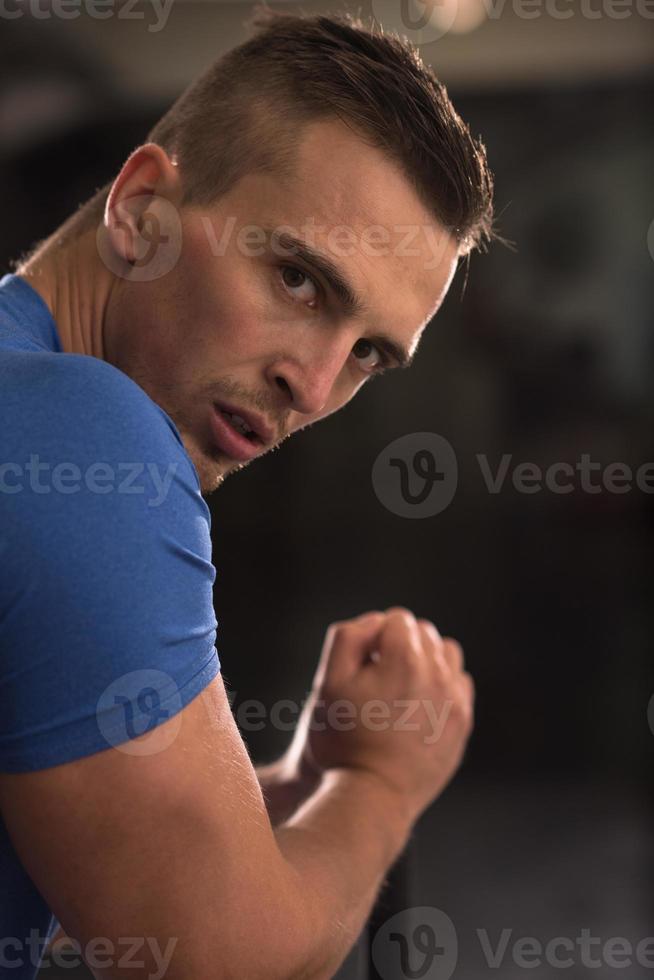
<point>244,319</point>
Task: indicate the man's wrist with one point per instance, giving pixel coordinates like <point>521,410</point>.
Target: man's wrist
<point>396,814</point>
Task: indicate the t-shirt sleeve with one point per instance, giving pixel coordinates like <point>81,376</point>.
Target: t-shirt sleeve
<point>107,625</point>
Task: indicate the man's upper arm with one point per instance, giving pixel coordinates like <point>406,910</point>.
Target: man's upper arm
<point>126,789</point>
<point>172,846</point>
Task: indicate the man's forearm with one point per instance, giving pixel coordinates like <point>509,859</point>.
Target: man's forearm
<point>340,844</point>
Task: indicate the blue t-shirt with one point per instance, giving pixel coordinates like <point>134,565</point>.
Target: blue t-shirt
<point>107,624</point>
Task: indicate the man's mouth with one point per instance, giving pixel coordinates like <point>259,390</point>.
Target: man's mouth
<point>248,423</point>
<point>239,423</point>
<point>235,434</point>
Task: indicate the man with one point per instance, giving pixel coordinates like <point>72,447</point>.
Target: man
<point>286,233</point>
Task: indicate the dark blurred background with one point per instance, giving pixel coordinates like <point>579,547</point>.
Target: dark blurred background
<point>546,356</point>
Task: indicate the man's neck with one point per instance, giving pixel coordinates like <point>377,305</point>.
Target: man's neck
<point>75,286</point>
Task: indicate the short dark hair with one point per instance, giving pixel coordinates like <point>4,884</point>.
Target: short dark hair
<point>245,114</point>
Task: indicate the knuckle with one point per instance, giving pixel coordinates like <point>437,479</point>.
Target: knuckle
<point>461,702</point>
<point>466,711</point>
<point>453,650</point>
<point>334,630</point>
<point>357,621</point>
<point>430,628</point>
<point>459,705</point>
<point>469,683</point>
<point>399,611</point>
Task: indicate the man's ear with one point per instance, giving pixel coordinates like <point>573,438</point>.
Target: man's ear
<point>149,174</point>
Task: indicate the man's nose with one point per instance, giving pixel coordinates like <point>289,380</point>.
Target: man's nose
<point>309,381</point>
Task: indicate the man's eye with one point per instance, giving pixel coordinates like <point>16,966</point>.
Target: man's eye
<point>299,284</point>
<point>364,349</point>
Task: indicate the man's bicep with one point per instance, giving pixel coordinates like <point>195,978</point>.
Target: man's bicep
<point>172,843</point>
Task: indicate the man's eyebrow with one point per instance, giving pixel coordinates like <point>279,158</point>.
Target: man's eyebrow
<point>351,302</point>
<point>403,357</point>
<point>353,305</point>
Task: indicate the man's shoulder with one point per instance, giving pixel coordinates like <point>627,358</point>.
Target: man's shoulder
<point>75,399</point>
<point>106,570</point>
<point>74,378</point>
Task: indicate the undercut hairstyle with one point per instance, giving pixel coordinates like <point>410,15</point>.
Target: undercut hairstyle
<point>246,114</point>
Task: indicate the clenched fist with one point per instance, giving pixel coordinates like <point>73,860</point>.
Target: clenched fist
<point>390,697</point>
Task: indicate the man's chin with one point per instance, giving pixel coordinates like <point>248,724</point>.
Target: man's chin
<point>211,472</point>
<point>213,469</point>
<point>212,465</point>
